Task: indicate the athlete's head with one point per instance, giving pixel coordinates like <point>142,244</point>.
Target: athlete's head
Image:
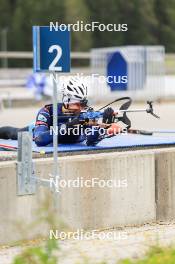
<point>74,94</point>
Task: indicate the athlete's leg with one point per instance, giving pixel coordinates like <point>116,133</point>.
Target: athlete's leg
<point>8,132</point>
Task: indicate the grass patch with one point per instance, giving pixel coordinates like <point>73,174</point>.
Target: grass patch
<point>155,255</point>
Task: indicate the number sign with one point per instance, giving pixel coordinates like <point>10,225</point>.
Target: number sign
<point>51,49</point>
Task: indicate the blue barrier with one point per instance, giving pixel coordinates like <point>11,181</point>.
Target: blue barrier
<point>116,69</point>
<point>126,70</point>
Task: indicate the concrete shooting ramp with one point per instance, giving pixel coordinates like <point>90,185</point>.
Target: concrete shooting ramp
<point>145,192</point>
<point>87,208</point>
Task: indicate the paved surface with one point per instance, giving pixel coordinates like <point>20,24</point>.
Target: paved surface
<point>129,242</point>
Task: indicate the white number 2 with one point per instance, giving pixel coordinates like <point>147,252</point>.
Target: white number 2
<point>52,66</point>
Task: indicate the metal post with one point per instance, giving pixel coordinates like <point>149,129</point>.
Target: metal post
<point>25,170</point>
<point>27,182</point>
<point>55,136</point>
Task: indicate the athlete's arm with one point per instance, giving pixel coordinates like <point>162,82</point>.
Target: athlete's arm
<point>42,135</point>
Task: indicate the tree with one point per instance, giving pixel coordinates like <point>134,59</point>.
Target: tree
<point>77,10</point>
<point>165,32</point>
<point>105,12</point>
<point>29,13</point>
<point>141,20</point>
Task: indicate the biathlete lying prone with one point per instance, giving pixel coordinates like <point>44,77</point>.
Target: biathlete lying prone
<point>74,102</point>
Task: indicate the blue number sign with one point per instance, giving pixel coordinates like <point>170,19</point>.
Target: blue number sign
<point>51,49</point>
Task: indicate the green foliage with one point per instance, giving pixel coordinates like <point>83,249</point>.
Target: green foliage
<point>106,12</point>
<point>39,255</point>
<point>28,13</point>
<point>77,10</point>
<point>141,20</point>
<point>156,255</point>
<point>165,13</point>
<point>149,22</point>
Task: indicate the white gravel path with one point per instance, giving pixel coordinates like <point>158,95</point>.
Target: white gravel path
<point>135,242</point>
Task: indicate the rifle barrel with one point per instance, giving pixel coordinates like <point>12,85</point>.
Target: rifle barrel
<point>164,131</point>
<point>133,110</point>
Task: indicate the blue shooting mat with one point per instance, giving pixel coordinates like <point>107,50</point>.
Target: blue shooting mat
<point>119,141</point>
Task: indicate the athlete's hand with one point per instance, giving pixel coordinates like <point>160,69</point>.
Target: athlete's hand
<point>108,115</point>
<point>114,129</point>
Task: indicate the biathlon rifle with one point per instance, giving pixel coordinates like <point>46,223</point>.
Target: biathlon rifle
<point>119,115</point>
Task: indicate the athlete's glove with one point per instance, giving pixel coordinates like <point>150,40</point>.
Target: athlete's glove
<point>114,129</point>
<point>108,115</point>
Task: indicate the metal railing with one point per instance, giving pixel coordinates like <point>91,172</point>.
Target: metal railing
<point>29,55</point>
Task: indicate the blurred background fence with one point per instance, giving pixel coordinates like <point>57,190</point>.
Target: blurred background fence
<point>144,67</point>
<point>150,72</point>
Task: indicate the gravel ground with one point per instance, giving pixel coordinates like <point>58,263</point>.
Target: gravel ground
<point>130,242</point>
